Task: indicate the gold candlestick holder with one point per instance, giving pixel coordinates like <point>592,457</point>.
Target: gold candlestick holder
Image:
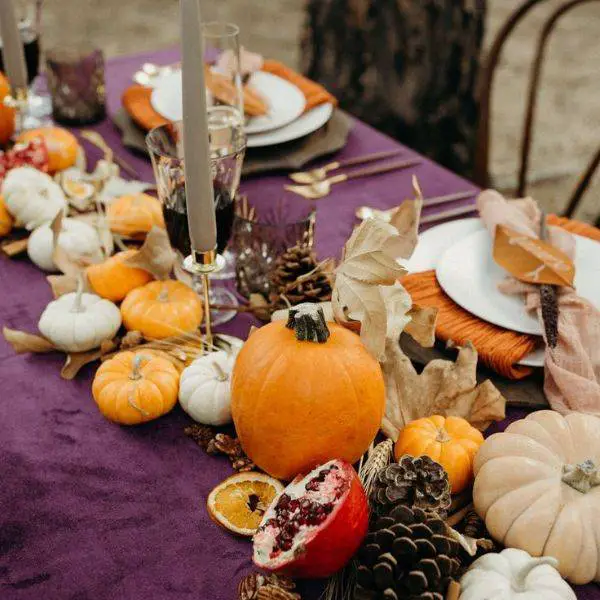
<point>19,101</point>
<point>204,263</point>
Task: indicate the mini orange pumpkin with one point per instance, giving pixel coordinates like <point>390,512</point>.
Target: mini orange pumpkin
<point>135,387</point>
<point>113,279</point>
<point>161,309</point>
<point>297,403</point>
<point>7,115</point>
<point>134,216</point>
<point>6,220</point>
<point>450,441</point>
<point>62,145</point>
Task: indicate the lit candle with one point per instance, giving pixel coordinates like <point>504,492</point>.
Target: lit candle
<point>198,179</point>
<point>12,46</point>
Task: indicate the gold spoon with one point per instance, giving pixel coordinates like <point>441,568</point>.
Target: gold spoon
<point>320,189</point>
<point>320,173</point>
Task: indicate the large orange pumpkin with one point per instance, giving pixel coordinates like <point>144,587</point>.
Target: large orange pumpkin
<point>134,216</point>
<point>113,279</point>
<point>161,309</point>
<point>305,392</point>
<point>6,220</point>
<point>7,115</point>
<point>135,387</point>
<point>62,145</point>
<point>450,441</point>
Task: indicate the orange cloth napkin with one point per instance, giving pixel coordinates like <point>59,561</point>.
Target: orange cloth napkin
<point>136,98</point>
<point>498,348</point>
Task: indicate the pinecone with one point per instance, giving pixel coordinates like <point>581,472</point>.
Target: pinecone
<point>406,556</point>
<point>203,435</point>
<point>299,277</point>
<point>419,482</point>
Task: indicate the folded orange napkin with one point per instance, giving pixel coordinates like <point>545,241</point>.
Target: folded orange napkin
<point>498,348</point>
<point>136,98</point>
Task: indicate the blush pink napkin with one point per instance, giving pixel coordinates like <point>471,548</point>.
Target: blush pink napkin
<point>572,368</point>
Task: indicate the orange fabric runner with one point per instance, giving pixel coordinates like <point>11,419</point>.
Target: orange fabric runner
<point>136,98</point>
<point>498,348</point>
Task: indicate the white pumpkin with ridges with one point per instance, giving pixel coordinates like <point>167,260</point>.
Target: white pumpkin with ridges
<point>514,575</point>
<point>32,197</point>
<point>78,322</point>
<point>205,388</point>
<point>78,239</point>
<point>537,486</point>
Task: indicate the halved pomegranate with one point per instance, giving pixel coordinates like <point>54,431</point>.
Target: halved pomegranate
<point>315,526</point>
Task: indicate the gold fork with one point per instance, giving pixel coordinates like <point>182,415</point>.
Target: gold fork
<point>320,173</point>
<point>320,189</point>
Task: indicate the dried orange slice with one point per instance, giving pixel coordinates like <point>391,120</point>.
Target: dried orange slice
<point>239,502</point>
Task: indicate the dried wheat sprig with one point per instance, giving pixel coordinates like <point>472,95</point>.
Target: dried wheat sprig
<point>379,457</point>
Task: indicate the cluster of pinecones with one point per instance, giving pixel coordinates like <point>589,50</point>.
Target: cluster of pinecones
<point>408,553</point>
<point>299,277</point>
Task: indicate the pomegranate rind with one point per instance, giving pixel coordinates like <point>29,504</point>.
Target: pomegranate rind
<point>250,476</point>
<point>327,547</point>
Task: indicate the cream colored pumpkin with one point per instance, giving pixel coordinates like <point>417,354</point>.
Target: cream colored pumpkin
<point>537,486</point>
<point>78,239</point>
<point>205,388</point>
<point>514,575</point>
<point>32,197</point>
<point>77,322</point>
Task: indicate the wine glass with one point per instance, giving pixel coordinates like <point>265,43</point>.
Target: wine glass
<point>39,105</point>
<point>166,152</point>
<point>225,108</point>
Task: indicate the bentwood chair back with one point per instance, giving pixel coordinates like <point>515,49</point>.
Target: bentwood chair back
<point>485,97</point>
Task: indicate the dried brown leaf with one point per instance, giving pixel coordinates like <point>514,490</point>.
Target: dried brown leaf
<point>406,220</point>
<point>77,360</point>
<point>65,263</point>
<point>64,284</point>
<point>421,326</point>
<point>156,255</point>
<point>15,247</point>
<point>22,342</point>
<point>444,387</point>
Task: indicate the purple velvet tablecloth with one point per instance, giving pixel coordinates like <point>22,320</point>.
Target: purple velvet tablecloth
<point>93,511</point>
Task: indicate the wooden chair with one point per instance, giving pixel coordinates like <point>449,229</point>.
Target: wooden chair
<point>485,97</point>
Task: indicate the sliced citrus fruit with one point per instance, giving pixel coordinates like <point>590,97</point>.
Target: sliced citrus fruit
<point>239,502</point>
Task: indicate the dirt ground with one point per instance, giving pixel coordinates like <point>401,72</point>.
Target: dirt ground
<point>568,126</point>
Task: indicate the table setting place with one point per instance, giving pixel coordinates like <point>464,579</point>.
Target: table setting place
<point>259,350</point>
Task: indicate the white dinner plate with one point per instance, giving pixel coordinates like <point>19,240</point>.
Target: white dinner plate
<point>286,102</point>
<point>308,123</point>
<point>468,274</point>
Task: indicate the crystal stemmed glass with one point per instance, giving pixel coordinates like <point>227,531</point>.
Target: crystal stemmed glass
<point>39,105</point>
<point>166,152</point>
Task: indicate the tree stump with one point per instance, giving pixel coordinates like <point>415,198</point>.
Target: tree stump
<point>409,68</point>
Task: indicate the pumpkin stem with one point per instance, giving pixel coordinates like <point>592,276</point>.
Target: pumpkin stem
<point>582,477</point>
<point>521,576</point>
<point>164,294</point>
<point>221,375</point>
<point>442,436</point>
<point>77,305</point>
<point>137,365</point>
<point>308,321</point>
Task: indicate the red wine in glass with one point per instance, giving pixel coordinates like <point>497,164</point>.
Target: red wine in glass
<point>31,46</point>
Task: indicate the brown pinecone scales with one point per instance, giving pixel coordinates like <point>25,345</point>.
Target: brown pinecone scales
<point>406,556</point>
<point>298,276</point>
<point>419,482</point>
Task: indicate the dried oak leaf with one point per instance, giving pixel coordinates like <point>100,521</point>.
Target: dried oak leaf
<point>156,255</point>
<point>444,387</point>
<point>64,284</point>
<point>369,265</point>
<point>77,360</point>
<point>22,342</point>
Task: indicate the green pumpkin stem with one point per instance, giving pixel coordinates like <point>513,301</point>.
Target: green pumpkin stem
<point>308,321</point>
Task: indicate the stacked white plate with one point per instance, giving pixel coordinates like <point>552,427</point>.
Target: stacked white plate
<point>461,254</point>
<point>284,122</point>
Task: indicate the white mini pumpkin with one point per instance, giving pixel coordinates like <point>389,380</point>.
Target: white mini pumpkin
<point>78,239</point>
<point>205,388</point>
<point>77,322</point>
<point>32,197</point>
<point>537,486</point>
<point>514,575</point>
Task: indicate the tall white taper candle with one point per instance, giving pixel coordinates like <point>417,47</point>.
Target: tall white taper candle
<point>12,46</point>
<point>198,178</point>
